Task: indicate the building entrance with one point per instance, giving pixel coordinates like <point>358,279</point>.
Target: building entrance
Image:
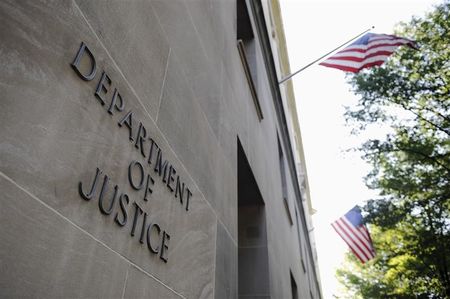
<point>253,267</point>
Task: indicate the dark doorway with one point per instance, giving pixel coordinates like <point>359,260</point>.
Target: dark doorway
<point>253,266</point>
<point>294,289</point>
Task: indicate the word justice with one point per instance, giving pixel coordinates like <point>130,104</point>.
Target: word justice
<point>113,202</point>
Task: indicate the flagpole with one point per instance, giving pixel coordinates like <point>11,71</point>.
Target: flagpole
<point>308,65</point>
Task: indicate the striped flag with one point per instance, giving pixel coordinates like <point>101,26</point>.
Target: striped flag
<point>352,229</point>
<point>369,50</point>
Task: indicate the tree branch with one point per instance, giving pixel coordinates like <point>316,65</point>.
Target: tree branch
<point>420,116</point>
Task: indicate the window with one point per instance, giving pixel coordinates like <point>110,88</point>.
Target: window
<point>247,51</point>
<point>284,181</point>
<point>300,249</point>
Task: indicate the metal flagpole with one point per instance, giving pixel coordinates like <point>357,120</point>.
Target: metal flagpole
<point>308,65</point>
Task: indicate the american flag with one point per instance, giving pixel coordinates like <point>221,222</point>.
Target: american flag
<point>369,50</point>
<point>352,229</point>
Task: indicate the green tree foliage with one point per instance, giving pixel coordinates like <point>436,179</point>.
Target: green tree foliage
<point>410,220</point>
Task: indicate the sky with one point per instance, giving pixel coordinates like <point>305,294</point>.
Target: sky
<point>313,28</point>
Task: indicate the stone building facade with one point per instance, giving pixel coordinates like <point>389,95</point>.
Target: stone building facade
<point>148,151</point>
